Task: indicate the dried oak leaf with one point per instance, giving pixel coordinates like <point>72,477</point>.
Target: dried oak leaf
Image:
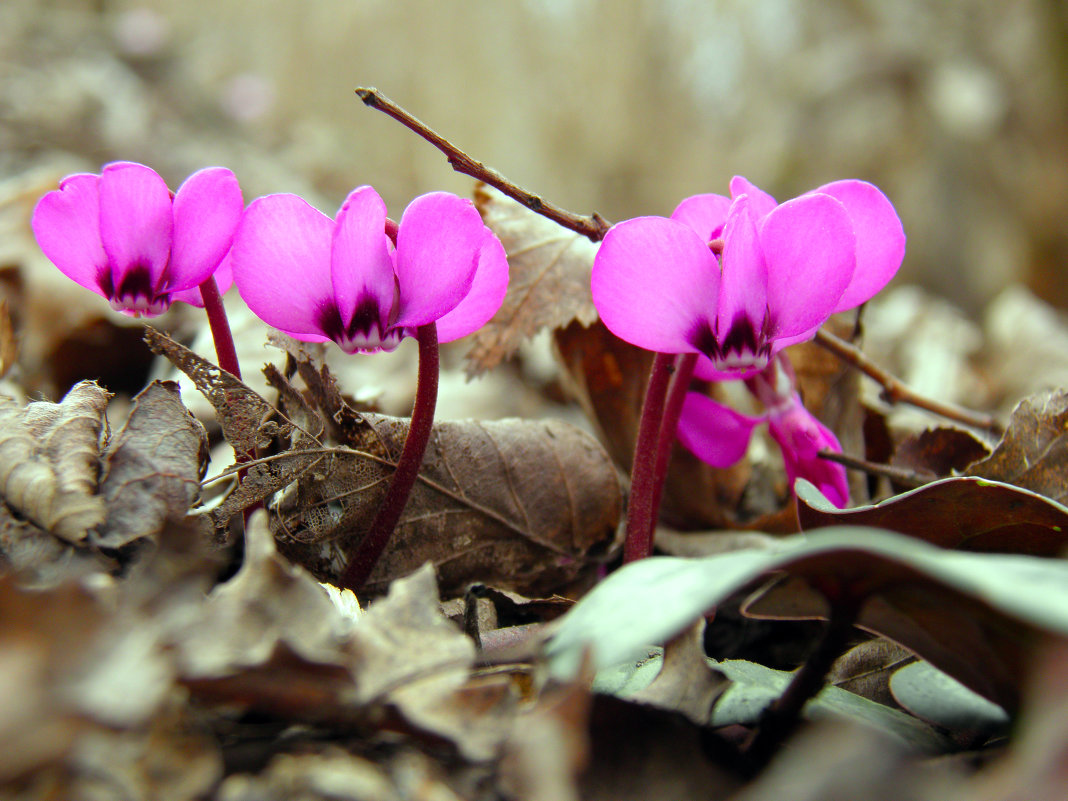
<point>549,279</point>
<point>48,460</point>
<point>1033,454</point>
<point>517,504</point>
<point>152,467</point>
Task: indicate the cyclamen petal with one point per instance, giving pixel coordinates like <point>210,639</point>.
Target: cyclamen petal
<point>66,224</point>
<point>705,214</point>
<point>207,209</point>
<point>810,250</point>
<point>439,239</point>
<point>801,437</point>
<point>655,284</point>
<point>281,263</point>
<point>488,289</point>
<point>361,264</point>
<point>136,227</point>
<point>716,434</point>
<point>880,239</point>
<point>742,306</point>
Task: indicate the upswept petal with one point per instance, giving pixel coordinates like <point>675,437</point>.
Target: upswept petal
<point>714,433</point>
<point>487,292</point>
<point>880,238</point>
<point>760,202</point>
<point>207,209</point>
<point>743,292</point>
<point>66,223</point>
<point>810,250</point>
<point>136,220</point>
<point>361,265</point>
<point>281,263</point>
<point>655,284</point>
<point>801,437</point>
<point>705,214</point>
<point>438,243</point>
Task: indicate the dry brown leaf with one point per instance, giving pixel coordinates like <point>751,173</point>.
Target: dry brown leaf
<point>9,346</point>
<point>513,503</point>
<point>48,460</point>
<point>686,682</point>
<point>1033,454</point>
<point>549,279</point>
<point>152,467</point>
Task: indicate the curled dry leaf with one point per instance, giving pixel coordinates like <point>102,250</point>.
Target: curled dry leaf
<point>1033,454</point>
<point>549,279</point>
<point>152,468</point>
<point>48,460</point>
<point>514,503</point>
<point>971,514</point>
<point>939,452</point>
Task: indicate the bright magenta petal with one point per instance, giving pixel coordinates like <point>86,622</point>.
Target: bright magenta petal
<point>810,250</point>
<point>207,209</point>
<point>714,433</point>
<point>761,203</point>
<point>655,284</point>
<point>705,214</point>
<point>136,222</point>
<point>361,266</point>
<point>880,238</point>
<point>438,243</point>
<point>801,437</point>
<point>743,295</point>
<point>487,292</point>
<point>66,223</point>
<point>281,263</point>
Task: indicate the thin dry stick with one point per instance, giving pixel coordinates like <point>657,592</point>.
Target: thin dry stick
<point>896,391</point>
<point>594,227</point>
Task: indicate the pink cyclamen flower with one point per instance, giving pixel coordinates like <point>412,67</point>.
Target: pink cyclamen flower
<point>720,436</point>
<point>124,236</point>
<point>319,279</point>
<point>738,279</point>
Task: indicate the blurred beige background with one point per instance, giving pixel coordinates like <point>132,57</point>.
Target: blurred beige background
<point>958,109</point>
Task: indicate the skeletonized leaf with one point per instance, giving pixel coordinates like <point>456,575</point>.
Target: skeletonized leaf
<point>968,513</point>
<point>241,412</point>
<point>1033,454</point>
<point>549,284</point>
<point>513,503</point>
<point>152,468</point>
<point>48,460</point>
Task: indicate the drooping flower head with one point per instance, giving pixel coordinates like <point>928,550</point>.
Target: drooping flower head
<point>737,279</point>
<point>319,279</point>
<point>720,435</point>
<point>124,236</point>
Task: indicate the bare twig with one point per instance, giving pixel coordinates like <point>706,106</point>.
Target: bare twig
<point>593,227</point>
<point>900,475</point>
<point>896,391</point>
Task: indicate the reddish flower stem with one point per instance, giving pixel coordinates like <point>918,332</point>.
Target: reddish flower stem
<point>680,383</point>
<point>641,513</point>
<point>374,542</point>
<point>220,327</point>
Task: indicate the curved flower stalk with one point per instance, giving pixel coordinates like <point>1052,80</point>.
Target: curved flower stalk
<point>719,435</point>
<point>735,280</point>
<point>366,283</point>
<point>122,235</point>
